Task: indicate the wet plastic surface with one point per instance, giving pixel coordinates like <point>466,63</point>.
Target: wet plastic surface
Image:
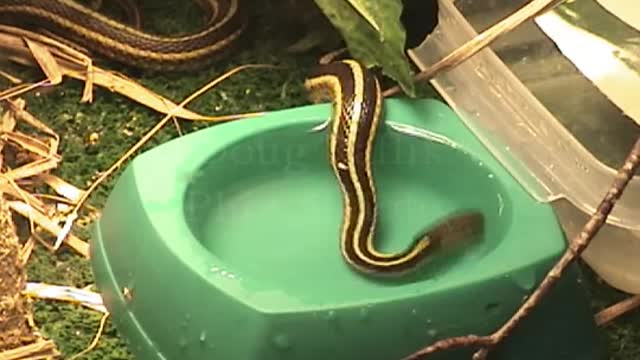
<point>554,131</point>
<point>224,244</point>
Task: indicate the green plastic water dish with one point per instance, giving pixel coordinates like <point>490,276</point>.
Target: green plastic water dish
<point>224,244</point>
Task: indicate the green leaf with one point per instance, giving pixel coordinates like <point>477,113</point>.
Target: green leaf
<point>357,20</point>
<point>365,12</point>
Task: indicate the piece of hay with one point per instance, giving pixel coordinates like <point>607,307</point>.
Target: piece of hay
<point>84,297</point>
<point>43,349</point>
<point>19,180</point>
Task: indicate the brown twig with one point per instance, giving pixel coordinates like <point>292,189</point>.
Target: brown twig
<point>575,248</point>
<point>482,40</point>
<point>612,312</point>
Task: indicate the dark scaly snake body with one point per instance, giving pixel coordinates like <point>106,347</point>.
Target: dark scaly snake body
<point>127,44</point>
<point>357,109</point>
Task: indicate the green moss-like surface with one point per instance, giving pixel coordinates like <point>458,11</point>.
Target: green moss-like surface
<point>120,123</point>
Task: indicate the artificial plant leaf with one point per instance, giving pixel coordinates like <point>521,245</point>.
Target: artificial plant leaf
<point>384,48</point>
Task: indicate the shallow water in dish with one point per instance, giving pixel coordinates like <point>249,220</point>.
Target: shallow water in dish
<point>270,210</point>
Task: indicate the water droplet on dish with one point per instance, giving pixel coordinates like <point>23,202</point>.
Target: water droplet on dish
<point>282,342</point>
<point>526,280</point>
<point>492,307</point>
<point>500,205</point>
<point>432,332</point>
<point>364,313</point>
<point>203,336</point>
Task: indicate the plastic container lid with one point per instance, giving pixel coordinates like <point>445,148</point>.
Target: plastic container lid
<point>555,131</point>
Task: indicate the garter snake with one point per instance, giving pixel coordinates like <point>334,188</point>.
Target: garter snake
<point>355,92</point>
<point>126,44</point>
<point>357,109</point>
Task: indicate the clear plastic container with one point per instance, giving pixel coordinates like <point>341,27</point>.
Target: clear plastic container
<point>546,122</point>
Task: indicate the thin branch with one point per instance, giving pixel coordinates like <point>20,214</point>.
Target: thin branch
<point>575,248</point>
<point>614,311</point>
